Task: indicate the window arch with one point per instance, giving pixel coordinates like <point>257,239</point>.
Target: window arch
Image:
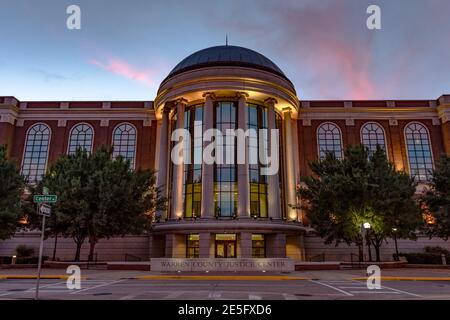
<point>81,135</point>
<point>372,134</point>
<point>35,154</point>
<point>124,142</point>
<point>418,145</point>
<point>329,139</point>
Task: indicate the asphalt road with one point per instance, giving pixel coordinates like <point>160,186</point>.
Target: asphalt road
<point>319,285</point>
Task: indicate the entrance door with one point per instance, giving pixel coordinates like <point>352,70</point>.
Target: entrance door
<point>225,249</point>
<point>225,246</point>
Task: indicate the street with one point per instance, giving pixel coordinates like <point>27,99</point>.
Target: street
<point>134,285</point>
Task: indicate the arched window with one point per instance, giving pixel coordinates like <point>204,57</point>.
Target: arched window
<point>124,142</point>
<point>372,134</point>
<point>329,140</point>
<point>81,136</point>
<point>419,151</point>
<point>36,152</point>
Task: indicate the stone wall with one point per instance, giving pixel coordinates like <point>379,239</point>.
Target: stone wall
<point>315,246</point>
<point>114,249</point>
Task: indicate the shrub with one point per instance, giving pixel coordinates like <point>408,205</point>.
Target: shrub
<point>423,258</point>
<point>24,251</point>
<point>437,250</point>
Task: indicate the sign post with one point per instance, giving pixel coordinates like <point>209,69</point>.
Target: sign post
<point>43,209</point>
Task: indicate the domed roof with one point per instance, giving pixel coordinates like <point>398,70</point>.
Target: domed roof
<point>226,56</point>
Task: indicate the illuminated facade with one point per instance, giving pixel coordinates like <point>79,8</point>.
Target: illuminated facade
<point>226,210</point>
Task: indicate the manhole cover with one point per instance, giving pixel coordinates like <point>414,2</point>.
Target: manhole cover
<point>102,294</point>
<point>16,290</point>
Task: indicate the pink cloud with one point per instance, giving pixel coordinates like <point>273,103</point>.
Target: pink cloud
<point>126,70</point>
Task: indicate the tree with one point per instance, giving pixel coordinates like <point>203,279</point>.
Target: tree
<point>100,197</point>
<point>343,194</point>
<point>11,190</point>
<point>436,199</point>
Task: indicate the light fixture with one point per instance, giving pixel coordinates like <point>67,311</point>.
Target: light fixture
<point>366,225</point>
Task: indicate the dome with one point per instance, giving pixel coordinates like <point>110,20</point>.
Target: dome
<point>226,56</point>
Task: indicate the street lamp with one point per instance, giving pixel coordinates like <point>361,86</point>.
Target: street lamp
<point>394,231</point>
<point>366,226</point>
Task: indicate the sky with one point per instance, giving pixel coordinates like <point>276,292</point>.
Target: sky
<point>124,49</point>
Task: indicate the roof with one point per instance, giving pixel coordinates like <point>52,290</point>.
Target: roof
<point>226,56</point>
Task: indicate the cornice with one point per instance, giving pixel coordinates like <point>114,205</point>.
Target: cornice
<point>368,113</point>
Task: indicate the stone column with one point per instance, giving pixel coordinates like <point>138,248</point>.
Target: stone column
<point>290,171</point>
<point>163,159</point>
<point>207,210</point>
<point>204,244</point>
<point>276,245</point>
<point>245,242</point>
<point>169,246</point>
<point>273,190</point>
<point>178,170</point>
<point>243,175</point>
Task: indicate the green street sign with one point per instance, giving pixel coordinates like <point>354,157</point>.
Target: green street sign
<point>51,198</point>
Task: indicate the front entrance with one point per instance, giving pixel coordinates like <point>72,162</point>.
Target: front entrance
<point>225,246</point>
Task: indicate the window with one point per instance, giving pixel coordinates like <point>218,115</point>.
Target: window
<point>81,136</point>
<point>329,140</point>
<point>192,246</point>
<point>124,142</point>
<point>258,246</point>
<point>225,175</point>
<point>419,151</point>
<point>193,120</point>
<point>36,152</point>
<point>257,119</point>
<point>372,134</point>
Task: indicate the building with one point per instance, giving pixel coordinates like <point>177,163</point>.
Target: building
<point>223,210</point>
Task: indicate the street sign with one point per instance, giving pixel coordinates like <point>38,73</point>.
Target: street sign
<point>45,191</point>
<point>51,198</point>
<point>45,210</point>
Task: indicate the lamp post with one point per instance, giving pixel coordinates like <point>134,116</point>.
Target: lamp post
<point>366,227</point>
<point>394,231</point>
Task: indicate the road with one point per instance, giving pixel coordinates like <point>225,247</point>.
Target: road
<point>128,285</point>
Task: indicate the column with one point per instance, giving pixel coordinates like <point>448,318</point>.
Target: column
<point>273,190</point>
<point>245,242</point>
<point>207,210</point>
<point>243,175</point>
<point>204,244</point>
<point>290,172</point>
<point>178,169</point>
<point>162,161</point>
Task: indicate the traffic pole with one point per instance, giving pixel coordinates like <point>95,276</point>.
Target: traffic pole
<point>41,247</point>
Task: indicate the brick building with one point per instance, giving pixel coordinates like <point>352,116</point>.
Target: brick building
<point>224,210</point>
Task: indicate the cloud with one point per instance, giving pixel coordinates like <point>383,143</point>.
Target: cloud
<point>124,69</point>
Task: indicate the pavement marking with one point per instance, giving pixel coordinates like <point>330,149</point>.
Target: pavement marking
<point>404,292</point>
<point>407,278</point>
<point>375,291</point>
<point>237,278</point>
<point>29,290</point>
<point>332,287</point>
<point>28,277</point>
<point>99,286</point>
